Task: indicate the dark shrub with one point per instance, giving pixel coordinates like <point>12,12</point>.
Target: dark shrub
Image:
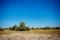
<point>1,29</point>
<point>22,27</point>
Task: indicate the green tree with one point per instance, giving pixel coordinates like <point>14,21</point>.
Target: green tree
<point>1,29</point>
<point>57,28</point>
<point>23,27</point>
<point>37,28</point>
<point>28,28</point>
<point>15,27</point>
<point>33,28</point>
<point>47,27</point>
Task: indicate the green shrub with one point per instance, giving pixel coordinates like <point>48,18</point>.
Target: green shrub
<point>22,27</point>
<point>1,29</point>
<point>15,27</point>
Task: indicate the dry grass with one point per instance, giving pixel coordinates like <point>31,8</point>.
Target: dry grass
<point>51,31</point>
<point>30,35</point>
<point>39,31</point>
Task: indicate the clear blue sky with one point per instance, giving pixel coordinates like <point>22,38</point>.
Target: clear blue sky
<point>35,13</point>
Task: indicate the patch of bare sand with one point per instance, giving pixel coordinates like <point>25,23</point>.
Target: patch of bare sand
<point>29,36</point>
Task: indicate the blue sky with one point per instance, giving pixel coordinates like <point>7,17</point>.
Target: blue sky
<point>35,13</point>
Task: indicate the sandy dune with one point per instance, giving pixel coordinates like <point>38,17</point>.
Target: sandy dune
<point>29,36</point>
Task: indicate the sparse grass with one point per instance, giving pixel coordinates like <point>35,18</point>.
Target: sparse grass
<point>51,31</point>
<point>30,35</point>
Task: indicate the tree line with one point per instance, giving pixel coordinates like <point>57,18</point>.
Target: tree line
<point>22,27</point>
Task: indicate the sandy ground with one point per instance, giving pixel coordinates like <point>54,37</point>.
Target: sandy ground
<point>29,36</point>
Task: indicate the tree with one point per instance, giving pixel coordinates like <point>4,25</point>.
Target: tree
<point>28,28</point>
<point>33,28</point>
<point>57,28</point>
<point>47,28</point>
<point>15,27</point>
<point>37,28</point>
<point>23,27</point>
<point>1,29</point>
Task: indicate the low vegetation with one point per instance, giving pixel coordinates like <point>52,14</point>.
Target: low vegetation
<point>22,27</point>
<point>1,29</point>
<point>22,32</point>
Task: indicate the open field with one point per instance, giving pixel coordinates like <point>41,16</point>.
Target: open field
<point>30,35</point>
<point>39,31</point>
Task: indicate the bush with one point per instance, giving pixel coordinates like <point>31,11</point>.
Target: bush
<point>57,28</point>
<point>23,27</point>
<point>46,28</point>
<point>27,28</point>
<point>1,29</point>
<point>15,27</point>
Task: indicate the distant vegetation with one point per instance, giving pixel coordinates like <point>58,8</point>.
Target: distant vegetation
<point>22,27</point>
<point>1,29</point>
